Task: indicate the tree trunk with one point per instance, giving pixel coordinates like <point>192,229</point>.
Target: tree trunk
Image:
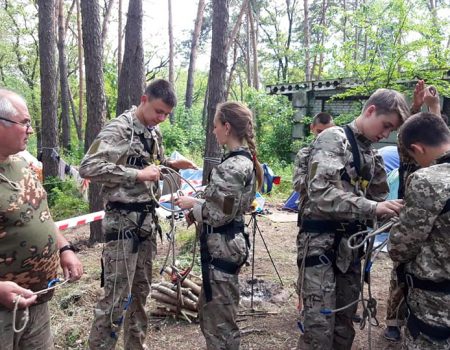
<point>109,6</point>
<point>236,26</point>
<point>193,55</point>
<point>80,70</point>
<point>131,79</point>
<point>65,118</point>
<point>216,79</point>
<point>171,53</point>
<point>47,54</point>
<point>95,96</point>
<point>119,39</point>
<point>254,40</point>
<point>306,41</point>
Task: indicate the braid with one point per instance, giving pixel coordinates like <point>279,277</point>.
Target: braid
<point>250,138</point>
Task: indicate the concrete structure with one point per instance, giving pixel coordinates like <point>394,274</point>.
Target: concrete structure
<point>309,98</point>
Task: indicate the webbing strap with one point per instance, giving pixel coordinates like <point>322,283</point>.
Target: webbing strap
<point>355,149</point>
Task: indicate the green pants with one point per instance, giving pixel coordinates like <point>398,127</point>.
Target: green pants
<point>36,335</point>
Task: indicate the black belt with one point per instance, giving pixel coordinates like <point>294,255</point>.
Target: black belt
<point>329,226</point>
<point>417,326</point>
<point>141,207</point>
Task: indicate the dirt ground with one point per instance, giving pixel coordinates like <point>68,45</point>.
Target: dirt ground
<point>273,324</point>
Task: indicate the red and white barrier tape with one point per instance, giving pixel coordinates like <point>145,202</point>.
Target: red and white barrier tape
<point>99,215</point>
<point>79,220</point>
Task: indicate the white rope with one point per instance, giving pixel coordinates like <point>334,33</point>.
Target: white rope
<point>26,312</point>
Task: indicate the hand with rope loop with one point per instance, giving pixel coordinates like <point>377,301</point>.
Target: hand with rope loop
<point>11,293</point>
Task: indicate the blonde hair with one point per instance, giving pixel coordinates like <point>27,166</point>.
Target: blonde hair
<point>240,119</point>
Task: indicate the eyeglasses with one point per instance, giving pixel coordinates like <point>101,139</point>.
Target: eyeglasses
<point>26,124</point>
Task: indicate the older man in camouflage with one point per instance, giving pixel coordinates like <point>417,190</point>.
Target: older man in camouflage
<point>420,241</point>
<point>346,187</point>
<point>125,158</point>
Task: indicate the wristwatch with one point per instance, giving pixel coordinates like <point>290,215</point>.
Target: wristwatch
<point>67,247</point>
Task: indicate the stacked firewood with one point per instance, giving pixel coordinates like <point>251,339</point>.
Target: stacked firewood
<point>170,301</point>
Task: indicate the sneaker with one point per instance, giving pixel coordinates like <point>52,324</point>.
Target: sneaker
<point>392,333</point>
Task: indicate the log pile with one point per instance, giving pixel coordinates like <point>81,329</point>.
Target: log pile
<point>177,303</point>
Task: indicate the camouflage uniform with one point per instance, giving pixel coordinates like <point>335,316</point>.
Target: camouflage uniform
<point>120,149</point>
<point>345,201</point>
<point>421,240</point>
<point>395,308</point>
<point>299,184</point>
<point>230,191</point>
<point>28,251</point>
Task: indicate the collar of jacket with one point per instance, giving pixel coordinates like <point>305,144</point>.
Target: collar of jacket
<point>362,140</point>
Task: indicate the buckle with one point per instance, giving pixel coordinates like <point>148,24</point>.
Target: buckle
<point>148,208</point>
<point>324,259</point>
<point>344,227</point>
<point>132,160</point>
<point>409,280</point>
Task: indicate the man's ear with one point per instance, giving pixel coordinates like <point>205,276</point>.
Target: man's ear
<point>371,110</point>
<point>417,148</point>
<point>144,98</point>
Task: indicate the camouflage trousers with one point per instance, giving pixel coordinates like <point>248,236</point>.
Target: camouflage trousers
<point>36,335</point>
<point>324,288</point>
<point>218,317</point>
<point>422,342</point>
<point>125,274</point>
<point>396,310</point>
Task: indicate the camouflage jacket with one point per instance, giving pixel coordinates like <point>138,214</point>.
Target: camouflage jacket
<point>228,196</point>
<point>106,161</point>
<point>230,192</point>
<point>28,243</point>
<point>421,239</point>
<point>332,197</point>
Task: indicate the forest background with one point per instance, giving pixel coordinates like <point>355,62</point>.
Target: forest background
<point>79,63</point>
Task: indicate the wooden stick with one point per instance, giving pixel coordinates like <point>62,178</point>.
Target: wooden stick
<point>186,282</point>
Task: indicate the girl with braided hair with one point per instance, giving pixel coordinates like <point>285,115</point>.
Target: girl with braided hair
<point>224,242</point>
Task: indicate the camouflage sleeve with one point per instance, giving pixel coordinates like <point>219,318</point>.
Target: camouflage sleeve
<point>378,189</point>
<point>223,195</point>
<point>301,169</point>
<point>102,161</point>
<point>325,188</point>
<point>416,219</point>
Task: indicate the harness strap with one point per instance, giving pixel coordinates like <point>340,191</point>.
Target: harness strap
<point>139,162</point>
<point>340,230</point>
<point>221,264</point>
<point>431,286</point>
<point>141,207</point>
<point>417,326</point>
<point>355,149</point>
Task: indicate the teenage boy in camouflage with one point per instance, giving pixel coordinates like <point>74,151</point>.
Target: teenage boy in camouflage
<point>346,187</point>
<point>124,158</point>
<point>420,241</point>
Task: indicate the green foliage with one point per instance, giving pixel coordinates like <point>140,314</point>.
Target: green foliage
<point>187,135</point>
<point>274,122</point>
<point>64,199</point>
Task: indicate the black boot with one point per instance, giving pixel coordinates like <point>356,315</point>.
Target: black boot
<point>392,333</point>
